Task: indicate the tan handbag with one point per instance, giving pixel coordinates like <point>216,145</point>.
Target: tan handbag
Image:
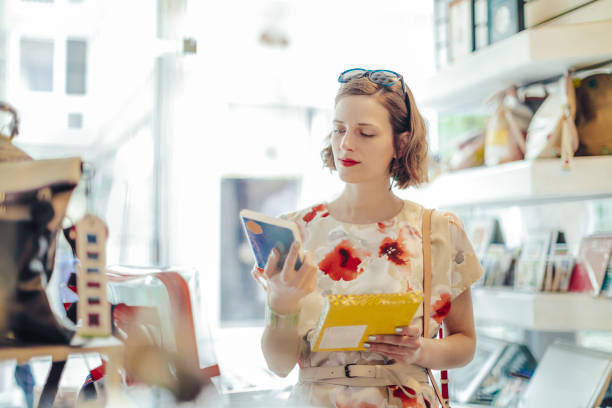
<point>594,114</point>
<point>442,394</point>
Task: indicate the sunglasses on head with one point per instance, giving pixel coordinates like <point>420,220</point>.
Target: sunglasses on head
<point>382,77</point>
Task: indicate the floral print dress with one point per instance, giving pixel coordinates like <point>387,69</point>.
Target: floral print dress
<point>383,257</point>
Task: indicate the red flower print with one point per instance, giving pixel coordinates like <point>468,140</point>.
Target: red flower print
<point>382,226</point>
<point>313,212</point>
<point>395,251</point>
<point>342,262</point>
<point>407,401</point>
<point>442,307</point>
<point>453,219</point>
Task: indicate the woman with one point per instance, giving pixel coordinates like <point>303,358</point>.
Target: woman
<point>369,241</point>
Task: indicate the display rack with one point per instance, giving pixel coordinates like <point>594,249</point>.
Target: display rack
<point>531,55</point>
<point>555,312</point>
<point>522,183</point>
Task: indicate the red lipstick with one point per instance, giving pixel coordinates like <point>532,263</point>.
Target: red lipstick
<point>348,162</point>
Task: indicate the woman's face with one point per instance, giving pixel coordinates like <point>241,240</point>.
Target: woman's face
<point>362,140</point>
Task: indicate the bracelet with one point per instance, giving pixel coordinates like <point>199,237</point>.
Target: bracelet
<point>281,321</point>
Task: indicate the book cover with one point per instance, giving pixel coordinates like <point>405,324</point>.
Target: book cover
<point>265,233</point>
<point>606,286</point>
<point>558,251</point>
<point>348,320</point>
<point>531,267</point>
<point>541,11</point>
<point>591,264</point>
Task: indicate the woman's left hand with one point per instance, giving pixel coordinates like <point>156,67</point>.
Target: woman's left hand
<point>404,347</point>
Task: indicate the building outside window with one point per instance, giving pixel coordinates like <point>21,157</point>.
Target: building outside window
<point>36,64</point>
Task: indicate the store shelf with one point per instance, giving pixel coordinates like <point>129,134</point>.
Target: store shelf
<point>542,311</point>
<point>520,182</point>
<point>531,55</point>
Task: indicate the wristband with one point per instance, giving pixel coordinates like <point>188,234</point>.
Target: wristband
<point>281,321</point>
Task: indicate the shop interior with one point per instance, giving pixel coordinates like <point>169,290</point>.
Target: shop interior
<point>170,116</point>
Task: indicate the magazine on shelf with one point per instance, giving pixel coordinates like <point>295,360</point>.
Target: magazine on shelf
<point>606,286</point>
<point>497,264</point>
<point>265,233</point>
<point>531,266</point>
<point>591,264</point>
<point>482,232</point>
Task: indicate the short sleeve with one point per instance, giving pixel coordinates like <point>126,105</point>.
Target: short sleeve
<point>465,266</point>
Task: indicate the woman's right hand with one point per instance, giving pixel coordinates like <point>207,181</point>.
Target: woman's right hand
<point>287,286</point>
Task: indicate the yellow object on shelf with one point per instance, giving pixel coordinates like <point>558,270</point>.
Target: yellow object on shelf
<point>348,320</point>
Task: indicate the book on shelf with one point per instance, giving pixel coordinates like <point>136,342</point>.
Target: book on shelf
<point>536,269</point>
<point>497,264</point>
<point>542,11</point>
<point>558,266</point>
<point>606,286</point>
<point>589,273</point>
<point>483,232</point>
<point>592,11</point>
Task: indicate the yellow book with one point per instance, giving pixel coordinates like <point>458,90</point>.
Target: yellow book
<point>348,320</point>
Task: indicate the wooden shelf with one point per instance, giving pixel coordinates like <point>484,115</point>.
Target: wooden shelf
<point>107,346</point>
<point>557,312</point>
<point>531,55</point>
<point>520,182</point>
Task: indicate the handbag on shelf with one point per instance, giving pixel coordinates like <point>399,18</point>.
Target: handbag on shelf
<point>34,195</point>
<point>594,114</point>
<point>552,132</point>
<point>506,129</point>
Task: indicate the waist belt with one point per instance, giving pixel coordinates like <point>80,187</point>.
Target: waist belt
<point>363,375</point>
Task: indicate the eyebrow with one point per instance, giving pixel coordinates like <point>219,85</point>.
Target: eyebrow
<point>359,124</point>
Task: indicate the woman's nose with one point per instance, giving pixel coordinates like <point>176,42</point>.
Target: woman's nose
<point>347,141</point>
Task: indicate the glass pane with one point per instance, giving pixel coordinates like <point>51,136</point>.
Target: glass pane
<point>76,67</point>
<point>241,298</point>
<point>37,64</point>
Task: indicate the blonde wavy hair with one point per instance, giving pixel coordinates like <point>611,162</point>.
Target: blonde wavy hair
<point>410,166</point>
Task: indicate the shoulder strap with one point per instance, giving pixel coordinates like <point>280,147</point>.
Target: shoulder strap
<point>427,264</point>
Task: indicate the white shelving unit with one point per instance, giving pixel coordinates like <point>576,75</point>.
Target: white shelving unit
<point>531,55</point>
<point>521,182</point>
<point>555,312</point>
<point>528,56</point>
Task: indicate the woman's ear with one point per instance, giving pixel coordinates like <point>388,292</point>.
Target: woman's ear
<point>401,142</point>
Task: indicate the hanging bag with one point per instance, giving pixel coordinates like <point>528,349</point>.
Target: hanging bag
<point>34,195</point>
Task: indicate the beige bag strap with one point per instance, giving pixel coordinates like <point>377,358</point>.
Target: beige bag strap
<point>427,264</point>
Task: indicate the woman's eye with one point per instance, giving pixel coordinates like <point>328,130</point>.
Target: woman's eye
<point>338,131</point>
<point>366,134</point>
